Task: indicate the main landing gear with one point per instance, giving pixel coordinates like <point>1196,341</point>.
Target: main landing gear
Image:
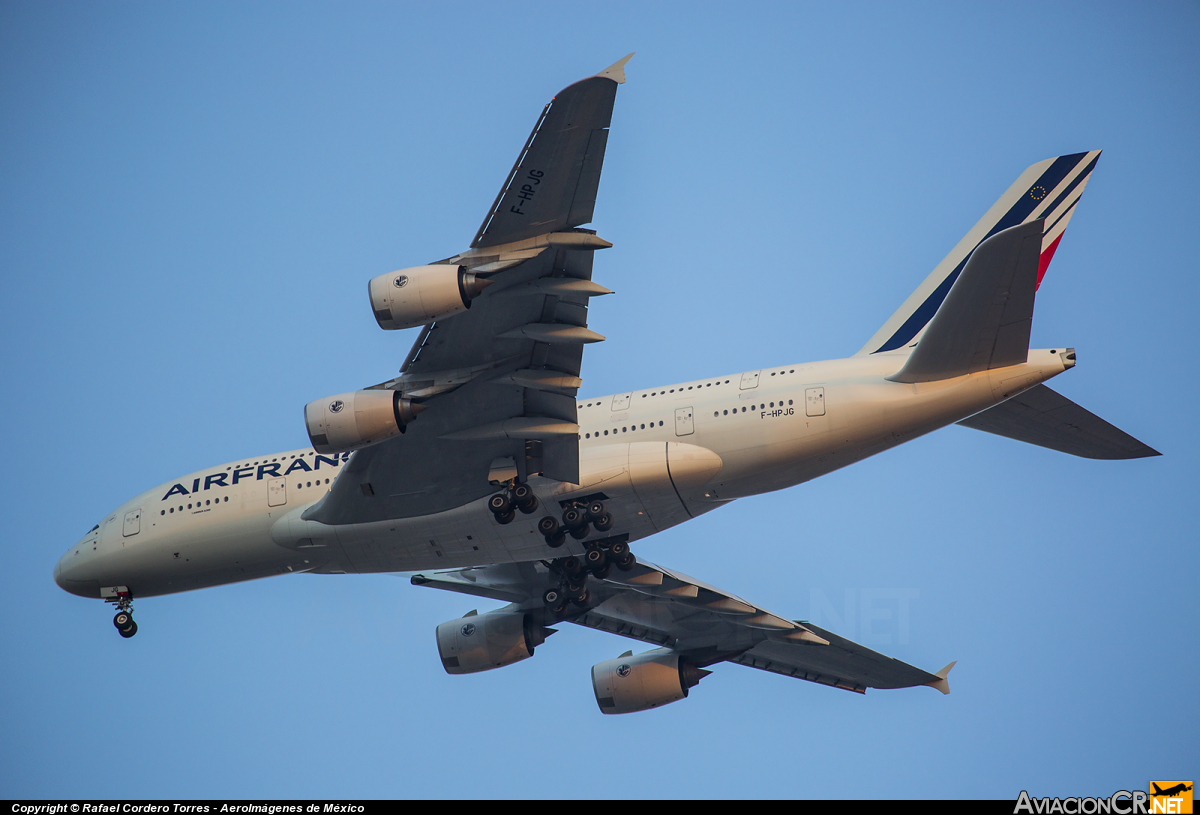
<point>573,573</point>
<point>576,518</point>
<point>124,622</point>
<point>504,505</point>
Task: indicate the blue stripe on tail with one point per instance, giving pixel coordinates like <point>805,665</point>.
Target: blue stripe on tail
<point>1021,210</point>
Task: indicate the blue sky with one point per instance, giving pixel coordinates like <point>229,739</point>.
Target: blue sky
<point>193,196</point>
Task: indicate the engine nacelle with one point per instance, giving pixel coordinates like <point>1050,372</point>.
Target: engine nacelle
<point>350,421</point>
<point>633,683</point>
<point>485,641</point>
<point>422,294</point>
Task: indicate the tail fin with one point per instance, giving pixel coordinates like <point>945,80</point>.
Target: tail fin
<point>985,320</point>
<point>1048,190</point>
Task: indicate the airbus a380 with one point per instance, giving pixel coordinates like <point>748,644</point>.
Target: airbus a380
<point>479,469</point>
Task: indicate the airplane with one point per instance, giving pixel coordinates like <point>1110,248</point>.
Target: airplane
<point>1170,792</point>
<point>479,469</point>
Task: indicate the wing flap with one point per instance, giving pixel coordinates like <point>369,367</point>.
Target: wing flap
<point>1046,418</point>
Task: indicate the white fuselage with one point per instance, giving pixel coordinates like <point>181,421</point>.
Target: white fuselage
<point>658,457</point>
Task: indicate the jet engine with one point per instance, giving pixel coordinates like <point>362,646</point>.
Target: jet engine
<point>349,421</point>
<point>422,294</point>
<point>482,642</point>
<point>631,683</point>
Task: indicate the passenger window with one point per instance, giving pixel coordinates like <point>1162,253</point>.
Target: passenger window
<point>172,510</point>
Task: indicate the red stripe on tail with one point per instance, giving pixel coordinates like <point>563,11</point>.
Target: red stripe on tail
<point>1047,256</point>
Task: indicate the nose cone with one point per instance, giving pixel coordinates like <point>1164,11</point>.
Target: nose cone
<point>71,573</point>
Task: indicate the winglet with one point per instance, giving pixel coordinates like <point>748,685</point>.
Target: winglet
<point>942,683</point>
<point>616,71</point>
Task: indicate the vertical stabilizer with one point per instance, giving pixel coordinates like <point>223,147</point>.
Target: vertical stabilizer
<point>1048,190</point>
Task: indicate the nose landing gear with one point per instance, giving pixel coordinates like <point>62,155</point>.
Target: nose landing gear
<point>122,598</point>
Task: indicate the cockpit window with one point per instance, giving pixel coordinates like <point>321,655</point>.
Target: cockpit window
<point>93,529</point>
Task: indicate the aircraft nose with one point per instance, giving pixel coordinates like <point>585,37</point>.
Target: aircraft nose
<point>74,577</point>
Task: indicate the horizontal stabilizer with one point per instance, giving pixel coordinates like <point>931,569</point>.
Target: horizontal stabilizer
<point>1048,419</point>
<point>985,320</point>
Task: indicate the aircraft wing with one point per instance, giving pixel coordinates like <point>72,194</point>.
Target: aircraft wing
<point>700,622</point>
<point>499,380</point>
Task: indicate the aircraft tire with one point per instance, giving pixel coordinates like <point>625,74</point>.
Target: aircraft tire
<point>499,503</point>
<point>122,620</point>
<point>626,561</point>
<point>548,526</point>
<point>603,523</point>
<point>531,507</point>
<point>595,509</point>
<point>130,631</point>
<point>582,599</point>
<point>552,597</point>
<point>601,572</point>
<point>556,540</point>
<point>579,532</point>
<point>595,558</point>
<point>506,517</point>
<point>618,550</point>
